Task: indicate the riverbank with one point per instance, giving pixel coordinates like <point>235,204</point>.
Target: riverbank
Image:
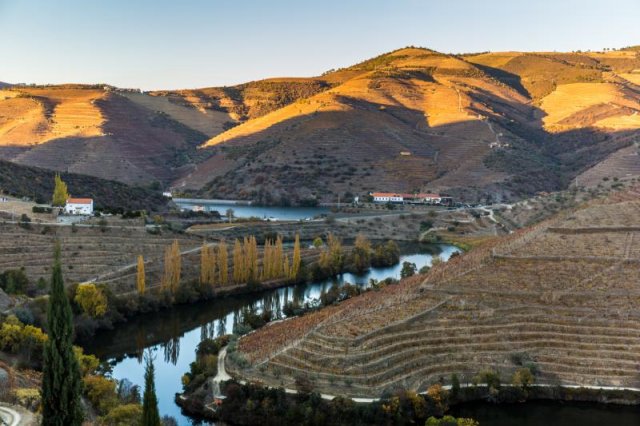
<point>175,333</point>
<point>476,396</point>
<point>462,395</point>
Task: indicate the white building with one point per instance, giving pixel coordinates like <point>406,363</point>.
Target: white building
<point>387,197</point>
<point>82,206</point>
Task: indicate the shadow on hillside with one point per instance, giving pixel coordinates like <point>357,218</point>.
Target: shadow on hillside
<point>512,80</point>
<point>310,151</point>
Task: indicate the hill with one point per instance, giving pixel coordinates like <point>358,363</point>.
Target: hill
<point>23,181</point>
<point>487,126</point>
<point>98,131</point>
<point>556,298</point>
<point>482,127</point>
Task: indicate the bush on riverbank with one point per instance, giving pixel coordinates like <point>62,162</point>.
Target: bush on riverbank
<point>206,363</point>
<point>334,260</point>
<point>255,404</point>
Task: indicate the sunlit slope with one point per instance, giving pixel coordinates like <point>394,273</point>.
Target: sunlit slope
<point>248,100</point>
<point>100,131</point>
<point>37,115</point>
<point>407,120</point>
<point>591,104</point>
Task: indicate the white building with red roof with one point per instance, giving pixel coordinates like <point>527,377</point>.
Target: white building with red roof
<point>417,198</point>
<point>83,206</point>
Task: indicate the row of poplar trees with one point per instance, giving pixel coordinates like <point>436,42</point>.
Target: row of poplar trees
<point>214,264</point>
<point>247,267</point>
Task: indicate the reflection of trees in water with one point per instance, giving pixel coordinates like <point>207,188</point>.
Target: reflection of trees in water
<point>208,330</point>
<point>141,343</point>
<point>171,350</point>
<point>222,326</point>
<point>298,295</point>
<point>236,316</point>
<point>271,302</point>
<point>172,346</point>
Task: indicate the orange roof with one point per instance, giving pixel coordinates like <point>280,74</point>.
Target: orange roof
<point>79,201</point>
<point>386,194</point>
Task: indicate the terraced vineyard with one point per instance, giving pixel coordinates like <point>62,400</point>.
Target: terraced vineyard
<point>109,257</point>
<point>562,295</point>
<point>87,254</point>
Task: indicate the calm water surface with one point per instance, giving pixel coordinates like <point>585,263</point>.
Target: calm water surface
<point>276,213</point>
<point>550,413</point>
<point>174,334</point>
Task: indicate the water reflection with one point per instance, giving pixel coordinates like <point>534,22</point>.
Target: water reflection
<point>178,331</point>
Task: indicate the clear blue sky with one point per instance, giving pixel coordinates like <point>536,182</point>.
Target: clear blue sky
<point>153,44</point>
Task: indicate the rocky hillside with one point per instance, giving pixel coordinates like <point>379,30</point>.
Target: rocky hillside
<point>493,125</point>
<point>480,126</point>
<point>558,298</point>
<point>100,132</point>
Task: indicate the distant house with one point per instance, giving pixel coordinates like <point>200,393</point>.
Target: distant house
<point>167,194</point>
<point>417,198</point>
<point>83,206</point>
<point>387,197</point>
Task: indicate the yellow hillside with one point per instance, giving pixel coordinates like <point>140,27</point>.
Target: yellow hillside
<point>633,77</point>
<point>577,103</point>
<point>496,60</point>
<point>388,85</point>
<point>22,120</point>
<point>35,115</point>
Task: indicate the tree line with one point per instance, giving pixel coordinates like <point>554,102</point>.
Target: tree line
<point>249,266</point>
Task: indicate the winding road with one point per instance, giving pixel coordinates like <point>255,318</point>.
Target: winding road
<point>10,417</point>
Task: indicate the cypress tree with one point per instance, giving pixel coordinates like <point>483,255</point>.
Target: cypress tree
<point>150,414</point>
<point>61,380</point>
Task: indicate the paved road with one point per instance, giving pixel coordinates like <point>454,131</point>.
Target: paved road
<point>222,372</point>
<point>10,416</point>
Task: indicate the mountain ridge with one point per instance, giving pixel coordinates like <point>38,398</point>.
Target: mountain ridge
<point>488,125</point>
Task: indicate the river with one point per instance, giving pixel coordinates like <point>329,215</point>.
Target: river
<point>173,335</point>
<point>245,211</point>
<point>546,413</point>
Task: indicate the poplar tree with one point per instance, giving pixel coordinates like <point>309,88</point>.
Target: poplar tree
<point>223,262</point>
<point>60,192</point>
<point>286,268</point>
<point>172,267</point>
<point>61,380</point>
<point>295,262</point>
<point>150,413</point>
<point>251,256</point>
<point>238,262</point>
<point>277,258</point>
<point>205,267</point>
<point>266,261</point>
<point>177,266</point>
<point>140,276</point>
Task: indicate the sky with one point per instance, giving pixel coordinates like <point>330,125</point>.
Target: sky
<point>162,44</point>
